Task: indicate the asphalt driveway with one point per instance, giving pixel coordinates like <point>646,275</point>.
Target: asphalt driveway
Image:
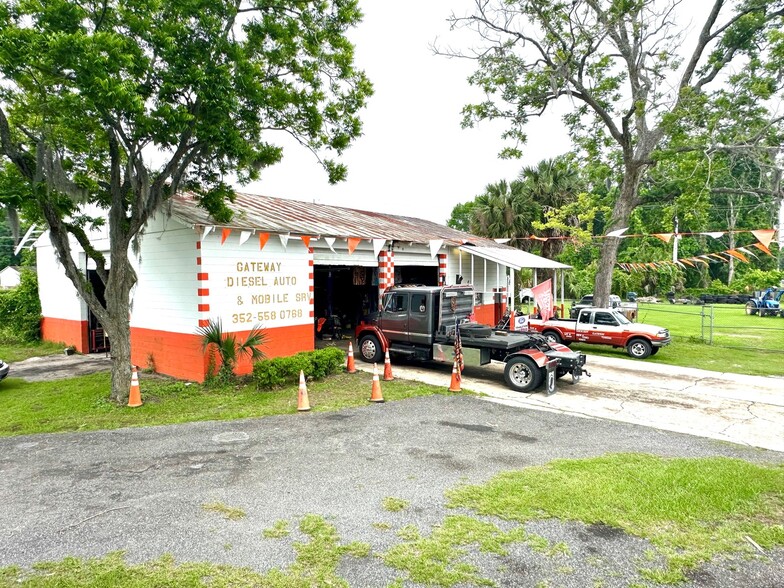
<point>141,490</point>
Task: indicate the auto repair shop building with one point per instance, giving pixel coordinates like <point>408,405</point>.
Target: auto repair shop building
<point>280,263</point>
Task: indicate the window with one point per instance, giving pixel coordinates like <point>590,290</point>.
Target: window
<point>418,303</point>
<point>397,303</point>
<point>585,318</point>
<point>605,318</point>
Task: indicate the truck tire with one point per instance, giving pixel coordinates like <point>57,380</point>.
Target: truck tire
<point>655,350</point>
<point>522,374</point>
<point>552,337</point>
<point>639,348</point>
<point>475,330</point>
<point>370,349</point>
<point>751,308</point>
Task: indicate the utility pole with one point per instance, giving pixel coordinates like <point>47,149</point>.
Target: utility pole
<point>675,242</point>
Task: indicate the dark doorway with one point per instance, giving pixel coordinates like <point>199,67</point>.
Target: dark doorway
<point>98,341</point>
<point>343,295</point>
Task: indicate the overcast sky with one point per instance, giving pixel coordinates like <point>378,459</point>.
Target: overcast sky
<point>413,159</point>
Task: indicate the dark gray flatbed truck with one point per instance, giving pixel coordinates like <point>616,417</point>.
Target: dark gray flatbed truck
<point>420,323</point>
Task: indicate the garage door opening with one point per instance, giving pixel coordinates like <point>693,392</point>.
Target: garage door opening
<point>342,296</point>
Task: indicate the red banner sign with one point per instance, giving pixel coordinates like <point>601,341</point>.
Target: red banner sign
<point>543,297</point>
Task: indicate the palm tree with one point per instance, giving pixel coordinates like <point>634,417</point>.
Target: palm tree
<point>228,348</point>
<point>552,183</point>
<point>504,211</point>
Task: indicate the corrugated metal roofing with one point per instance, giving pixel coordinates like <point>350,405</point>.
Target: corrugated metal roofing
<point>280,215</point>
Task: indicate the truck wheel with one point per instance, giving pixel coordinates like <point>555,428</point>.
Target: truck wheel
<point>522,374</point>
<point>639,348</point>
<point>370,349</point>
<point>655,350</point>
<point>552,337</point>
<point>751,308</point>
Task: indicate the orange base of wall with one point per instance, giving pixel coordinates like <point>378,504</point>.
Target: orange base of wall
<point>180,355</point>
<point>65,331</point>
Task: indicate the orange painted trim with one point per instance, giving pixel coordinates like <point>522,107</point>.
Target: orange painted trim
<point>66,331</point>
<point>204,307</point>
<point>204,322</point>
<point>180,355</point>
<point>203,291</point>
<point>202,276</point>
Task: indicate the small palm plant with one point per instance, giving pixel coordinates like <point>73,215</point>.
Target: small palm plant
<point>229,349</point>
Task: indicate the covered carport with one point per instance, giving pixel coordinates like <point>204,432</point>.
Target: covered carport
<point>509,258</point>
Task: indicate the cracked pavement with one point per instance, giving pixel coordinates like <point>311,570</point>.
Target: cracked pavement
<point>748,410</point>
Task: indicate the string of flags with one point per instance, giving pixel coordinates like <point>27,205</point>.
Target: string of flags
<point>760,234</point>
<point>763,236</point>
<point>351,242</point>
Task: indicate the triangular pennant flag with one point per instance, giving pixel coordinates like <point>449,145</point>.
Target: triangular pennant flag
<point>206,232</point>
<point>663,236</point>
<point>352,244</point>
<point>697,259</point>
<point>284,239</point>
<point>680,264</point>
<point>618,232</point>
<point>762,248</point>
<point>715,235</point>
<point>378,245</point>
<point>748,252</point>
<point>535,238</point>
<point>330,241</point>
<point>435,245</point>
<point>687,262</point>
<point>737,255</point>
<point>244,236</point>
<point>502,241</point>
<point>263,238</point>
<point>225,235</point>
<point>305,240</point>
<point>764,236</point>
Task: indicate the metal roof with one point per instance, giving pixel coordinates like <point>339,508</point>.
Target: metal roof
<point>514,258</point>
<point>282,216</point>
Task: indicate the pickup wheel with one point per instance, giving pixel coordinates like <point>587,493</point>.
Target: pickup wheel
<point>522,374</point>
<point>639,348</point>
<point>751,308</point>
<point>370,349</point>
<point>655,350</point>
<point>552,337</point>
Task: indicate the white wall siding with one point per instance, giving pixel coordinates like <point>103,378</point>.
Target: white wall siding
<point>165,297</point>
<point>250,286</point>
<point>58,295</point>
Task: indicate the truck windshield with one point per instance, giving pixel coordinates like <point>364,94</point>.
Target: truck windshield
<point>621,318</point>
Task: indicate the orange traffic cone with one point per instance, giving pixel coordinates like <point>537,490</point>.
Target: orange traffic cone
<point>375,393</point>
<point>454,386</point>
<point>350,361</point>
<point>302,396</point>
<point>135,395</point>
<point>387,368</point>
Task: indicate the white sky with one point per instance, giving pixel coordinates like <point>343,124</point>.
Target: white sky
<point>413,158</point>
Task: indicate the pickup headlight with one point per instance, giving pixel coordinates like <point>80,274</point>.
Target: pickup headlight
<point>664,333</point>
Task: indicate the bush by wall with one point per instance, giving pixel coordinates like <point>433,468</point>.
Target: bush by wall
<point>281,371</point>
<point>20,309</point>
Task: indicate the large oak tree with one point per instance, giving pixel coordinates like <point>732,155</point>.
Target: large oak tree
<point>117,104</point>
<point>624,71</point>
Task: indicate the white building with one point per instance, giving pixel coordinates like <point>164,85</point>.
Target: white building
<point>9,277</point>
<point>279,263</point>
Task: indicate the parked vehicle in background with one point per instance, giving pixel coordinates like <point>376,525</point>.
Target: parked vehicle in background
<point>431,323</point>
<point>767,303</point>
<point>627,308</point>
<point>605,326</point>
<point>4,368</point>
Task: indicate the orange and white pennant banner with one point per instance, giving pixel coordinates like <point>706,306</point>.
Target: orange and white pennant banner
<point>225,235</point>
<point>244,236</point>
<point>435,246</point>
<point>305,240</point>
<point>330,241</point>
<point>663,236</point>
<point>263,238</point>
<point>378,245</point>
<point>352,244</point>
<point>764,236</point>
<point>284,239</point>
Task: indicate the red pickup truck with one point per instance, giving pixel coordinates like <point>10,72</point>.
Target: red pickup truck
<point>604,326</point>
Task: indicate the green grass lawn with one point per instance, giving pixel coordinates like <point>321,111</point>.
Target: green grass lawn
<point>741,344</point>
<point>82,403</point>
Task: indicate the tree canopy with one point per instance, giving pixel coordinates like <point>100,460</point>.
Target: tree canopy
<point>119,104</point>
<point>636,84</point>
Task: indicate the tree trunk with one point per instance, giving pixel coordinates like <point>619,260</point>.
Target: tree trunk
<point>117,324</point>
<point>624,206</point>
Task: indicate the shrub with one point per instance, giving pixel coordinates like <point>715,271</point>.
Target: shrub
<point>20,309</point>
<point>280,371</point>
